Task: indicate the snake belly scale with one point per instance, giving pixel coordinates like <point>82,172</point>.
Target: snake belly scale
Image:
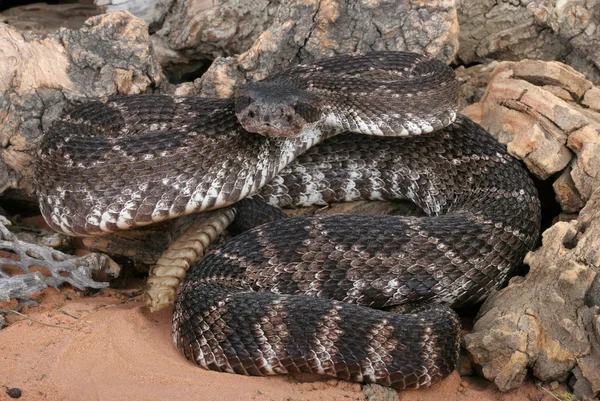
<point>303,294</point>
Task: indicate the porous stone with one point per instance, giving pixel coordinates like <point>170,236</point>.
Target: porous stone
<point>566,192</point>
<point>544,321</point>
<point>592,99</point>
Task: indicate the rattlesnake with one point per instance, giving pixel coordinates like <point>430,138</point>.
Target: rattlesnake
<point>255,305</point>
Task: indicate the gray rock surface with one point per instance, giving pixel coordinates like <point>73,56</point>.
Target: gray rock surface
<point>48,18</point>
<point>42,74</point>
<point>258,37</point>
<point>567,31</point>
<point>151,11</point>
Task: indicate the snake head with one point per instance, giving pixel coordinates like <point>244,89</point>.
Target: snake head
<point>276,109</point>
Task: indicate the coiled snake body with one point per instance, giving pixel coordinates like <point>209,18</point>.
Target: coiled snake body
<point>292,295</point>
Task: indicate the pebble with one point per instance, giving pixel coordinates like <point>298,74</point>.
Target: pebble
<point>14,392</point>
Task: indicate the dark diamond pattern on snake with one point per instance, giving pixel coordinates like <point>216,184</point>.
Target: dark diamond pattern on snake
<point>309,294</point>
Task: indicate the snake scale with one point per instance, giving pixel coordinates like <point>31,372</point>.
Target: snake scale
<point>309,294</point>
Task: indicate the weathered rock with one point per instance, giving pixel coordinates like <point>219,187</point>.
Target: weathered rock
<point>41,74</point>
<point>271,36</point>
<point>198,29</point>
<point>375,392</point>
<point>568,31</point>
<point>48,18</point>
<point>587,372</point>
<point>566,192</point>
<point>151,11</point>
<point>473,81</point>
<point>537,108</point>
<point>592,99</point>
<point>542,321</point>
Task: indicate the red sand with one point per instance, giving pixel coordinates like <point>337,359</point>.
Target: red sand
<point>110,347</point>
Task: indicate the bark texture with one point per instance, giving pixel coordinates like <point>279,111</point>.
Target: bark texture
<point>151,11</point>
<point>548,114</point>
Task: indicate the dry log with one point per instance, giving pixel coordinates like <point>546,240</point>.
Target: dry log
<point>151,11</point>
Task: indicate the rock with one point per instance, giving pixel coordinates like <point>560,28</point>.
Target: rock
<point>258,37</point>
<point>473,81</point>
<point>151,11</point>
<point>42,74</point>
<point>581,386</point>
<point>592,99</point>
<point>567,31</point>
<point>566,192</point>
<point>565,217</point>
<point>375,392</point>
<point>538,109</point>
<point>465,366</point>
<point>587,371</point>
<point>14,392</point>
<point>542,322</point>
<point>47,18</point>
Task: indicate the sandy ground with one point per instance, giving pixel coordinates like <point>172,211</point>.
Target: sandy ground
<point>110,347</point>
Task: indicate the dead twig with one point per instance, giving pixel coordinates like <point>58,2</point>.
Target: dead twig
<point>550,392</point>
<point>69,314</point>
<point>38,321</point>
